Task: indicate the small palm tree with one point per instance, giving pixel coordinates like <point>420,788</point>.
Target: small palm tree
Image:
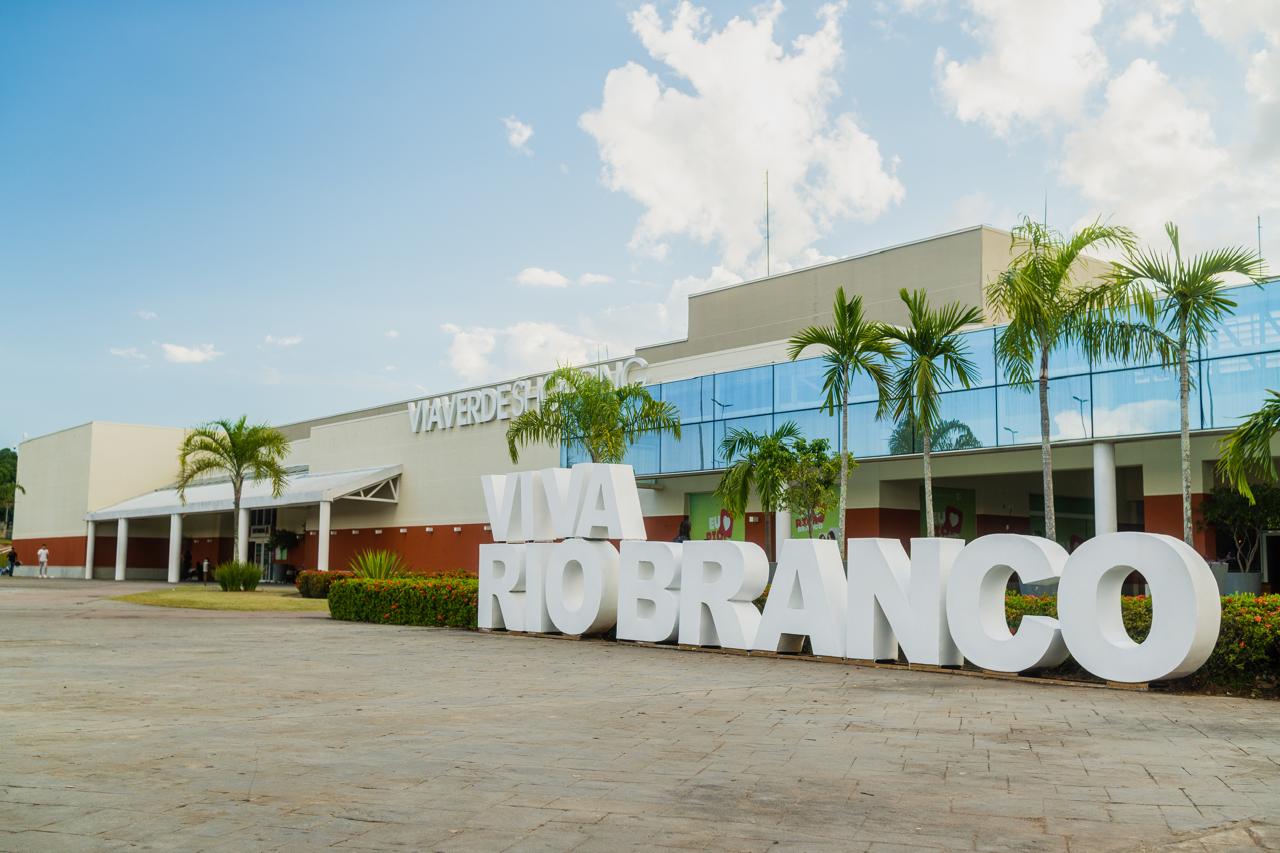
<point>934,358</point>
<point>1246,450</point>
<point>1192,304</point>
<point>245,453</point>
<point>759,461</point>
<point>854,345</point>
<point>1048,305</point>
<point>581,408</point>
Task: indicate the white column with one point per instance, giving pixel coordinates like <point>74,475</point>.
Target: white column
<point>122,546</point>
<point>175,546</point>
<point>1104,487</point>
<point>242,537</point>
<point>322,547</point>
<point>90,531</point>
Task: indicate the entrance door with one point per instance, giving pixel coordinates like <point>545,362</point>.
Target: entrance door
<point>260,555</point>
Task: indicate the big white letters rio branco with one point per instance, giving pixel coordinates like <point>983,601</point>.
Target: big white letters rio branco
<point>553,568</point>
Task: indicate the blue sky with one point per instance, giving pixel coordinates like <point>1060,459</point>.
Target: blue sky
<point>292,209</point>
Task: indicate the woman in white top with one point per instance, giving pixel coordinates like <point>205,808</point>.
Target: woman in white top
<point>42,557</point>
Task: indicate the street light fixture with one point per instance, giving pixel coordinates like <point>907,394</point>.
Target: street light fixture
<point>1013,435</point>
<point>1084,431</point>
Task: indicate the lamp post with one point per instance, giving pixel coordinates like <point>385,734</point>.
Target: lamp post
<point>1013,435</point>
<point>1082,400</point>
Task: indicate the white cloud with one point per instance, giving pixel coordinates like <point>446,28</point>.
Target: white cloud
<point>518,134</point>
<point>147,315</point>
<point>538,277</point>
<point>179,354</point>
<point>1153,25</point>
<point>1040,61</point>
<point>1252,29</point>
<point>594,278</point>
<point>391,333</point>
<point>693,152</point>
<point>282,341</point>
<point>481,353</point>
<point>128,352</point>
<point>390,368</point>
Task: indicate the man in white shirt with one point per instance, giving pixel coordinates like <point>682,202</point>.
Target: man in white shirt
<point>42,557</point>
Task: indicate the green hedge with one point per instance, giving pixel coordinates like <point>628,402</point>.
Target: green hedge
<point>314,584</point>
<point>235,576</point>
<point>435,601</point>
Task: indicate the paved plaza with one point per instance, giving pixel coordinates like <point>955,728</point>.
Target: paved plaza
<point>124,726</point>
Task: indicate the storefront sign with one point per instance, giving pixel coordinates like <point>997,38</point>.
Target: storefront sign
<point>552,568</point>
<point>499,402</point>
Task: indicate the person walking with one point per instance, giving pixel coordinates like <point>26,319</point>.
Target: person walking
<point>11,561</point>
<point>42,557</point>
<point>683,534</point>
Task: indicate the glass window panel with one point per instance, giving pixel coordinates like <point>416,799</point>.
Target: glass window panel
<point>814,423</point>
<point>1235,388</point>
<point>967,419</point>
<point>686,394</point>
<point>575,453</point>
<point>1254,326</point>
<point>1070,410</point>
<point>868,436</point>
<point>1063,361</point>
<point>1105,363</point>
<point>758,424</point>
<point>982,351</point>
<point>684,453</point>
<point>1139,401</point>
<point>743,392</point>
<point>643,454</point>
<point>798,384</point>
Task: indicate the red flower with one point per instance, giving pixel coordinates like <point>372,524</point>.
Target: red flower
<point>1257,619</point>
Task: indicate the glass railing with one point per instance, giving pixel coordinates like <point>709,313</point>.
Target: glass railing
<point>1231,375</point>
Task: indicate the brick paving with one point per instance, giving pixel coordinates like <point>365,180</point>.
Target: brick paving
<point>126,727</point>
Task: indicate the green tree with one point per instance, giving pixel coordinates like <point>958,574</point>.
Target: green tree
<point>934,358</point>
<point>1246,450</point>
<point>950,434</point>
<point>1243,518</point>
<point>1192,303</point>
<point>244,452</point>
<point>759,462</point>
<point>854,345</point>
<point>582,408</point>
<point>9,487</point>
<point>811,480</point>
<point>1051,300</point>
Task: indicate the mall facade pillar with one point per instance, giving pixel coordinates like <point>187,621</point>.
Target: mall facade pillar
<point>1105,518</point>
<point>322,547</point>
<point>175,546</point>
<point>781,531</point>
<point>90,534</point>
<point>242,536</point>
<point>122,546</point>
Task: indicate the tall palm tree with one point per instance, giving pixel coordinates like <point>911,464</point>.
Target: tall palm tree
<point>244,452</point>
<point>759,461</point>
<point>582,408</point>
<point>1050,301</point>
<point>1192,303</point>
<point>934,358</point>
<point>854,345</point>
<point>1246,450</point>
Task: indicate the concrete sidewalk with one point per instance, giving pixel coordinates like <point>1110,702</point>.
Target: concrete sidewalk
<point>128,726</point>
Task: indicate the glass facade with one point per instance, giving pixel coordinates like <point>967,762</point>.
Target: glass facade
<point>1231,375</point>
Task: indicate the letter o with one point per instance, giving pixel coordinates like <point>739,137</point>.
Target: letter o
<point>581,580</point>
<point>1186,611</point>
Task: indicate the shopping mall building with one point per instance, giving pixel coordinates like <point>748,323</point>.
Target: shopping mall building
<point>405,476</point>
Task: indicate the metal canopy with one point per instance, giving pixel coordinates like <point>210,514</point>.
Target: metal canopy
<point>380,485</point>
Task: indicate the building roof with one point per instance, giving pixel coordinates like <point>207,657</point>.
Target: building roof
<point>374,484</point>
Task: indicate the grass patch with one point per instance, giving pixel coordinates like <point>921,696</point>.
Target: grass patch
<point>286,599</point>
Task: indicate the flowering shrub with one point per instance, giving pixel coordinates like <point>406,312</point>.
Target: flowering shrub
<point>313,584</point>
<point>438,602</point>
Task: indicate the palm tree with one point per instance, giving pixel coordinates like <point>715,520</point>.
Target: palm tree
<point>951,434</point>
<point>853,345</point>
<point>759,461</point>
<point>934,358</point>
<point>1192,303</point>
<point>582,408</point>
<point>1044,296</point>
<point>1246,450</point>
<point>243,452</point>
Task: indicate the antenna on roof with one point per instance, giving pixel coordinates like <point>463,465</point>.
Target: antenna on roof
<point>1259,235</point>
<point>767,270</point>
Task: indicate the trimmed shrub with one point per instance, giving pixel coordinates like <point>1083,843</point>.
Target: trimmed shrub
<point>378,565</point>
<point>235,576</point>
<point>315,584</point>
<point>436,602</point>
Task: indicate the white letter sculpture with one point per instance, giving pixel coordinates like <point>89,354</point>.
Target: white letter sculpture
<point>581,580</point>
<point>1186,611</point>
<point>536,617</point>
<point>975,603</point>
<point>807,597</point>
<point>649,591</point>
<point>501,587</point>
<point>894,601</point>
<point>610,502</point>
<point>719,582</point>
